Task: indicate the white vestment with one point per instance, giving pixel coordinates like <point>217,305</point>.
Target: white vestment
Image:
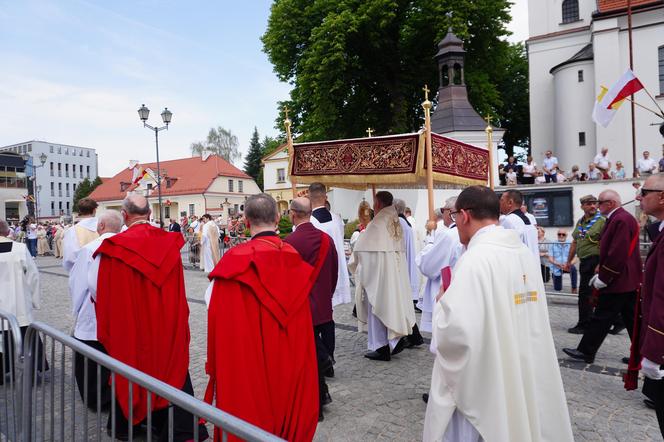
<point>209,246</point>
<point>443,252</point>
<point>83,309</point>
<point>527,233</point>
<point>496,366</point>
<point>409,246</point>
<point>381,275</point>
<point>19,282</point>
<point>335,229</point>
<point>76,237</point>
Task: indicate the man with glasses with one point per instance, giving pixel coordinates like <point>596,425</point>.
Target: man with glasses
<point>495,359</point>
<point>618,279</point>
<point>558,253</point>
<point>585,245</point>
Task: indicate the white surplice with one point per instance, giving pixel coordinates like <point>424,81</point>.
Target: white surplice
<point>83,309</point>
<point>443,251</point>
<point>209,246</point>
<point>527,233</point>
<point>496,368</point>
<point>409,246</point>
<point>335,230</point>
<point>19,282</point>
<point>76,237</point>
<point>381,275</point>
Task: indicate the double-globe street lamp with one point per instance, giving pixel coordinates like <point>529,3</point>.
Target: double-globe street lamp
<point>166,116</point>
<point>35,188</point>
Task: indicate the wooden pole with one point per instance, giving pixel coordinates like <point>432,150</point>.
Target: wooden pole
<point>291,152</point>
<point>489,146</point>
<point>431,224</point>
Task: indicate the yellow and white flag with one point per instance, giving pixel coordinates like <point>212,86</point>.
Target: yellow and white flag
<point>609,100</point>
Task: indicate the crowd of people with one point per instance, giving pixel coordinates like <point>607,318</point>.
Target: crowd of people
<point>41,238</point>
<point>601,168</point>
<point>277,297</point>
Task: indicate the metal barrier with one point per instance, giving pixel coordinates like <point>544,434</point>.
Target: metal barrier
<point>11,360</point>
<point>51,409</point>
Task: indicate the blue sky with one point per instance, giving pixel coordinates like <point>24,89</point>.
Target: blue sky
<point>76,71</point>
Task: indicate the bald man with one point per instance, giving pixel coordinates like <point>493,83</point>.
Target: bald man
<point>317,248</point>
<point>618,277</point>
<point>83,273</point>
<point>143,317</point>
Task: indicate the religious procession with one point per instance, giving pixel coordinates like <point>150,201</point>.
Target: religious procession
<point>452,233</point>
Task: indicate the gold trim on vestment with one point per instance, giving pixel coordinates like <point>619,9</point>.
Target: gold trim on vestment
<point>610,270</point>
<point>655,330</point>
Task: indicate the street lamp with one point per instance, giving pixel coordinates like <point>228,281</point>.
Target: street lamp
<point>36,189</point>
<point>166,116</point>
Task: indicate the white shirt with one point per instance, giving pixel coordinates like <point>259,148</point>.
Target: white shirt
<point>551,164</point>
<point>646,165</point>
<point>602,161</point>
<point>70,245</point>
<point>82,272</point>
<point>19,282</point>
<point>529,169</point>
<point>32,231</point>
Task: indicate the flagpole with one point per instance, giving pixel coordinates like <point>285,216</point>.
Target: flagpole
<point>661,114</point>
<point>631,66</point>
<point>647,108</point>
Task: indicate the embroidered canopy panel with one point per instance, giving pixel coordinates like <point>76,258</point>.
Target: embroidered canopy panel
<point>389,161</point>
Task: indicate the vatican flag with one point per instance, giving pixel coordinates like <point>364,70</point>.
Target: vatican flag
<point>609,100</point>
<point>601,114</point>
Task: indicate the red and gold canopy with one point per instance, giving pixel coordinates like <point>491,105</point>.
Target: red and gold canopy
<point>389,161</point>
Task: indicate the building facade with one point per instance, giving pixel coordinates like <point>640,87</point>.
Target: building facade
<point>575,48</point>
<point>190,186</point>
<point>56,180</point>
<point>275,177</point>
<point>13,187</point>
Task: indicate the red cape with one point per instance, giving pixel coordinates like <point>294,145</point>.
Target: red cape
<point>142,311</point>
<point>261,353</point>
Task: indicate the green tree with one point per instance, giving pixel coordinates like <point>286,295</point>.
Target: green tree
<point>84,189</point>
<point>515,112</point>
<point>360,63</point>
<point>285,226</point>
<point>252,162</point>
<point>219,141</point>
<point>270,144</point>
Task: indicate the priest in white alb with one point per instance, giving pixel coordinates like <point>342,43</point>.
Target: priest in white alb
<point>323,219</point>
<point>382,289</point>
<point>210,255</point>
<point>83,232</point>
<point>513,218</point>
<point>495,374</point>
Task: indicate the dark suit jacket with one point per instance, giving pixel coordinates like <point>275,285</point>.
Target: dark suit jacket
<point>652,304</point>
<point>306,240</point>
<point>174,227</point>
<point>622,273</point>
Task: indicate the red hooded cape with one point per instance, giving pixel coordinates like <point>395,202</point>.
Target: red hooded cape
<point>261,353</point>
<point>142,311</point>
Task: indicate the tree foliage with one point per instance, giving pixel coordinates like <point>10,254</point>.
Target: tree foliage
<point>515,111</point>
<point>359,63</point>
<point>84,189</point>
<point>219,141</point>
<point>252,162</point>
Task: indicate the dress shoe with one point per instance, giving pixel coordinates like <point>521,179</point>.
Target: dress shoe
<point>321,418</point>
<point>425,398</point>
<point>382,354</point>
<point>415,338</point>
<point>327,399</point>
<point>329,373</point>
<point>417,310</point>
<point>325,365</point>
<point>576,330</point>
<point>403,343</point>
<point>649,403</point>
<point>576,354</point>
<point>625,360</point>
<point>616,329</point>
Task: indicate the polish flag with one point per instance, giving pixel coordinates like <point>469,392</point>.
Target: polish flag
<point>609,100</point>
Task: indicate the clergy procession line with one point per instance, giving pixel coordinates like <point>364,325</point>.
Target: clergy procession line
<point>487,315</point>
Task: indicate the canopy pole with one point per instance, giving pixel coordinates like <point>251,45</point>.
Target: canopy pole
<point>291,152</point>
<point>489,146</point>
<point>431,224</point>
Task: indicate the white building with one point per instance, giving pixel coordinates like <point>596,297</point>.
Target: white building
<point>13,187</point>
<point>275,177</point>
<point>574,48</point>
<point>56,181</point>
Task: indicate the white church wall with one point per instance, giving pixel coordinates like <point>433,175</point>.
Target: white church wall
<point>545,16</point>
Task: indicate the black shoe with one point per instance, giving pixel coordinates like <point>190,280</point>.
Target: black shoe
<point>576,354</point>
<point>425,398</point>
<point>403,343</point>
<point>576,330</point>
<point>415,338</point>
<point>327,399</point>
<point>355,311</point>
<point>417,310</point>
<point>382,354</point>
<point>326,365</point>
<point>616,329</point>
<point>649,403</point>
<point>321,418</point>
<point>625,360</point>
<point>329,373</point>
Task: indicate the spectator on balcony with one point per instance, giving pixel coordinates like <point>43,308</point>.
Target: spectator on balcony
<point>550,166</point>
<point>574,175</point>
<point>529,171</point>
<point>661,164</point>
<point>603,163</point>
<point>560,176</point>
<point>502,175</point>
<point>619,173</point>
<point>510,177</point>
<point>511,165</point>
<point>539,179</point>
<point>594,174</point>
<point>646,165</point>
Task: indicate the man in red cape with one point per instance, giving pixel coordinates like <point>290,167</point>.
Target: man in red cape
<point>261,355</point>
<point>143,316</point>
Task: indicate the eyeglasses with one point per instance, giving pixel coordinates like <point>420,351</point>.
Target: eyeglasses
<point>453,214</point>
<point>562,234</point>
<point>645,192</point>
<point>603,201</point>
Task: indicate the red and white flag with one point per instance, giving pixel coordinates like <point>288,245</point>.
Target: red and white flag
<point>609,100</point>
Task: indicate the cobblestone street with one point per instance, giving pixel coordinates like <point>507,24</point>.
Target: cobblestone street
<point>382,400</point>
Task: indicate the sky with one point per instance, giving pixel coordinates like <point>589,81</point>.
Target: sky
<point>75,72</point>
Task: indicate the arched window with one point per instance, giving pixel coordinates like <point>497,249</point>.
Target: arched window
<point>457,73</point>
<point>570,11</point>
<point>445,76</point>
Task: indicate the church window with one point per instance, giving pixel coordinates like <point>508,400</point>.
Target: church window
<point>570,11</point>
<point>660,58</point>
<point>445,76</point>
<point>457,73</point>
<point>582,138</point>
<point>580,75</point>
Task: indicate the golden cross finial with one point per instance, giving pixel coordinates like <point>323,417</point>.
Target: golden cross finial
<point>370,131</point>
<point>488,119</point>
<point>426,92</point>
<point>286,111</point>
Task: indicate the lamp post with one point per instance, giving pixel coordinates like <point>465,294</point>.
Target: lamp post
<point>36,188</point>
<point>166,116</point>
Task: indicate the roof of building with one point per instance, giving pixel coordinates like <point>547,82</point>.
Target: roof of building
<point>619,5</point>
<point>274,152</point>
<point>586,53</point>
<point>188,176</point>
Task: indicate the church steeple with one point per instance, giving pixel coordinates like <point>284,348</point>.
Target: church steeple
<point>454,112</point>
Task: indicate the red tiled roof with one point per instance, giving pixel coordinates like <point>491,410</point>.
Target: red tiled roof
<point>618,5</point>
<point>193,176</point>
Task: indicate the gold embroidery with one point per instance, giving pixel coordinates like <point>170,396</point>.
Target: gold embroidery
<point>522,298</point>
<point>532,296</point>
<point>655,330</point>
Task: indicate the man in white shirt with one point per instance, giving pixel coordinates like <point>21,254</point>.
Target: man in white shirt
<point>513,218</point>
<point>646,165</point>
<point>603,163</point>
<point>80,234</point>
<point>550,167</point>
<point>594,174</point>
<point>83,273</point>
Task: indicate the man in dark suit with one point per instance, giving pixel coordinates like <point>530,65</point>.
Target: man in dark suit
<point>618,278</point>
<point>317,248</point>
<point>174,226</point>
